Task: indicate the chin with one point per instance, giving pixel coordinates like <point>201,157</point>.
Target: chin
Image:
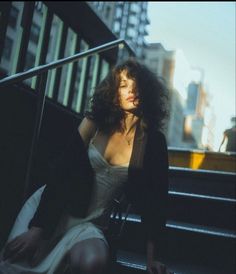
<point>131,109</point>
<point>130,106</point>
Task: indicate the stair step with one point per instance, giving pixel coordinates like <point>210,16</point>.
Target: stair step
<point>214,231</point>
<point>183,241</point>
<point>136,263</point>
<point>203,197</point>
<point>206,182</point>
<point>188,208</point>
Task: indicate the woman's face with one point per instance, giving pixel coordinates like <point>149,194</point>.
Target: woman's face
<point>127,92</point>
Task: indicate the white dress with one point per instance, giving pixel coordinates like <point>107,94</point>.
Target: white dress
<point>109,182</point>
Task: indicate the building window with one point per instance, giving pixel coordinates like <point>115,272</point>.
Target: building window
<point>145,4</point>
<point>131,32</point>
<point>30,59</point>
<point>8,48</point>
<point>39,6</point>
<point>35,31</point>
<point>133,20</point>
<point>13,17</point>
<point>143,16</point>
<point>107,12</point>
<point>118,12</point>
<point>141,28</point>
<point>65,79</point>
<point>140,40</point>
<point>117,27</point>
<point>134,7</point>
<point>100,5</point>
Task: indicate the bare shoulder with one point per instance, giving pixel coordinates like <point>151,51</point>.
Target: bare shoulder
<point>87,129</point>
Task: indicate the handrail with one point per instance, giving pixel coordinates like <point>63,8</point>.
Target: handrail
<point>18,77</point>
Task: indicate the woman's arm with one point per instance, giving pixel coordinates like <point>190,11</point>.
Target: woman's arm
<point>87,129</point>
<point>154,266</point>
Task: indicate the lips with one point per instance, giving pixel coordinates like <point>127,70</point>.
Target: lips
<point>130,98</point>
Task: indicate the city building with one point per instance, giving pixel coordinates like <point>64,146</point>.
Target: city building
<point>187,126</point>
<point>127,20</point>
<point>105,10</point>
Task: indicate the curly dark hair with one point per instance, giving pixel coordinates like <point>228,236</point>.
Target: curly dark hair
<point>152,93</point>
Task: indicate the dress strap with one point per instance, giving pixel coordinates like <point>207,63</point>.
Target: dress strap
<point>94,136</point>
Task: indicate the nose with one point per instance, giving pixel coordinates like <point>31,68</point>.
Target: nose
<point>131,89</point>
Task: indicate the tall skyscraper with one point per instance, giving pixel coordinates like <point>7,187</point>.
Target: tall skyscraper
<point>187,126</point>
<point>127,20</point>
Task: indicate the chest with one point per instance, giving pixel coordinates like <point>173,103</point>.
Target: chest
<point>115,149</point>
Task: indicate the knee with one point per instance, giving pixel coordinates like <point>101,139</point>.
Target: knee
<point>74,262</point>
<point>90,264</point>
<point>93,264</point>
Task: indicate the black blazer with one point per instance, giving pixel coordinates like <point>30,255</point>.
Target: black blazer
<point>71,181</point>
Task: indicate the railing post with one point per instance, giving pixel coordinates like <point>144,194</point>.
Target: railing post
<point>37,127</point>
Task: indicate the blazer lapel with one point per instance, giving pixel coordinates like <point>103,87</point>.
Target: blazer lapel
<point>137,156</point>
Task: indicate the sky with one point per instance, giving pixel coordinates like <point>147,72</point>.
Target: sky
<point>205,32</point>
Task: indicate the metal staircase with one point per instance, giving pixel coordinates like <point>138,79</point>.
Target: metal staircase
<point>201,227</point>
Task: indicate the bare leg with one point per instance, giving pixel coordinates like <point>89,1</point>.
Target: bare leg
<point>89,257</point>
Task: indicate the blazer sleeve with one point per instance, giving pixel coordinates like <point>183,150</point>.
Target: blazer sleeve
<point>156,203</point>
<point>57,192</point>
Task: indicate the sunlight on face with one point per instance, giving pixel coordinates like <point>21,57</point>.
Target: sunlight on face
<point>127,92</point>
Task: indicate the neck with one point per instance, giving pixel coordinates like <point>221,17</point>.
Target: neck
<point>129,121</point>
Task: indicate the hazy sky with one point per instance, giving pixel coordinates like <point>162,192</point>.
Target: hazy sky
<point>205,31</point>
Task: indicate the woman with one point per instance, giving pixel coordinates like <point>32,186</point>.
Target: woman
<point>117,148</point>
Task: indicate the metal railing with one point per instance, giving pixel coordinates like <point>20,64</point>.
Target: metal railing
<point>19,77</point>
<point>42,72</point>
